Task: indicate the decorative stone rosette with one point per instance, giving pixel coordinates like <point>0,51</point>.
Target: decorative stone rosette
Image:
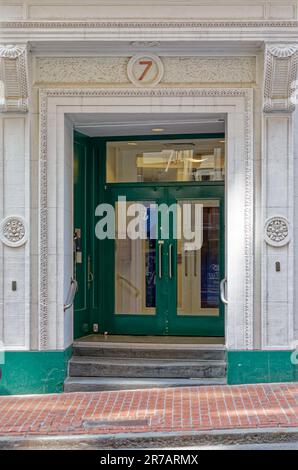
<point>277,231</point>
<point>13,231</point>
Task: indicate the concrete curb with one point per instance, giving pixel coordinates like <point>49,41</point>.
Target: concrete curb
<point>151,439</point>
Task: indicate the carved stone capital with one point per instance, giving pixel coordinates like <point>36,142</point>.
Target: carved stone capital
<point>280,75</point>
<point>13,78</point>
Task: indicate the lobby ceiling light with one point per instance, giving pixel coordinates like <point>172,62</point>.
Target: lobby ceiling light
<point>157,129</point>
<point>132,143</point>
<point>197,160</point>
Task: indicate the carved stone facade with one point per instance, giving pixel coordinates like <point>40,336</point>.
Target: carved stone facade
<point>13,78</point>
<point>281,61</point>
<point>242,69</point>
<point>277,231</point>
<point>13,231</point>
<point>113,70</point>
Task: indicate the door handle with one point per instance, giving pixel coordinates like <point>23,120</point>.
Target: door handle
<point>223,285</point>
<point>160,244</point>
<point>71,294</point>
<point>170,261</point>
<point>90,274</point>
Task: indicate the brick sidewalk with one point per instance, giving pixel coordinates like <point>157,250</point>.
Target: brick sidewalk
<point>159,410</point>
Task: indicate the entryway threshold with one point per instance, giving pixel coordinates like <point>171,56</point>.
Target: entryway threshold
<point>166,342</point>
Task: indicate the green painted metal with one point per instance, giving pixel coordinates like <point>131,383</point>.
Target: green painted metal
<point>94,302</point>
<point>81,205</point>
<point>189,324</point>
<point>131,324</point>
<point>26,372</point>
<point>100,140</point>
<point>88,191</point>
<point>165,321</point>
<point>260,367</point>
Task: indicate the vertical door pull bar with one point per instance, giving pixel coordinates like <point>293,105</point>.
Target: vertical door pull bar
<point>170,261</point>
<point>160,243</point>
<point>185,263</point>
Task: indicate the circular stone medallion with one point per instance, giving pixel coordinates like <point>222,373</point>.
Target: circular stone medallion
<point>277,231</point>
<point>13,231</point>
<point>145,70</point>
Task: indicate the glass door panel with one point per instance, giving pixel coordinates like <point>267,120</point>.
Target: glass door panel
<point>135,296</point>
<point>198,259</point>
<point>165,280</point>
<point>135,263</point>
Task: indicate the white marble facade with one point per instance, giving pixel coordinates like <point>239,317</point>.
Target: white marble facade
<point>238,58</point>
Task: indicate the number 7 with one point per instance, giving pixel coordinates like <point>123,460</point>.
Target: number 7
<point>148,64</point>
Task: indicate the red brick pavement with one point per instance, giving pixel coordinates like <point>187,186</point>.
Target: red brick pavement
<point>172,409</point>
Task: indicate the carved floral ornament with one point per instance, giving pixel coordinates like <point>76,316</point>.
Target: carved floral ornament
<point>13,231</point>
<point>277,231</point>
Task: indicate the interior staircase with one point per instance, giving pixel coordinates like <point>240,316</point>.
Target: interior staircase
<point>101,365</point>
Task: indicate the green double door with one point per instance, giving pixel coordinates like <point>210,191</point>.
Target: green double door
<point>162,271</point>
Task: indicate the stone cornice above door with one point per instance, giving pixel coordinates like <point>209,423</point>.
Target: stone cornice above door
<point>280,77</point>
<point>150,30</point>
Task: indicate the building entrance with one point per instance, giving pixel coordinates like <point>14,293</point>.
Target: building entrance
<point>158,253</point>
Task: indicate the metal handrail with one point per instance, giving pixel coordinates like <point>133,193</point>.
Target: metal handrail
<point>71,294</point>
<point>130,284</point>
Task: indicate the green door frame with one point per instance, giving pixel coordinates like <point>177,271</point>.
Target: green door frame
<point>99,298</point>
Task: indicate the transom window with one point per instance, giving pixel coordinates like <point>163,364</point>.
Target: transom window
<point>165,160</point>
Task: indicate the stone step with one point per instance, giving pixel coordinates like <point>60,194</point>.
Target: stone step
<point>98,384</point>
<point>89,366</point>
<point>153,351</point>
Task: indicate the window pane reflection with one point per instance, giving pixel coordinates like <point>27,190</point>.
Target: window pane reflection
<point>135,269</point>
<point>165,160</point>
<point>198,269</point>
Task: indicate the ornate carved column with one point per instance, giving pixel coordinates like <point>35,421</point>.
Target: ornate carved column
<point>14,198</point>
<point>278,195</point>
